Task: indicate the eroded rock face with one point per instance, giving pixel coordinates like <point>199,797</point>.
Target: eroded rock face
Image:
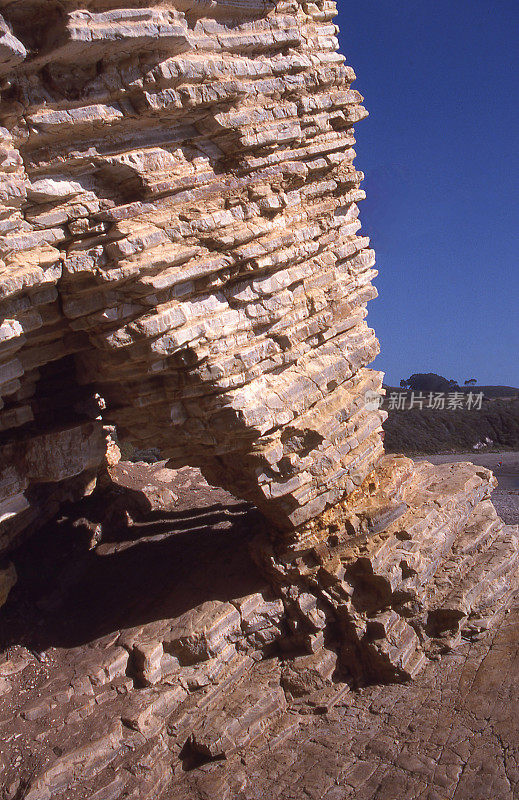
<point>161,664</point>
<point>182,258</point>
<point>181,235</point>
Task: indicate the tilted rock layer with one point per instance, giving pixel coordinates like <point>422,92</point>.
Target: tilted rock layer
<point>182,259</point>
<point>181,235</point>
<point>162,649</point>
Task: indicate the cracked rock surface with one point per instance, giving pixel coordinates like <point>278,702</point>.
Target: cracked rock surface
<point>453,735</point>
<point>154,662</point>
<point>181,258</point>
<point>180,237</point>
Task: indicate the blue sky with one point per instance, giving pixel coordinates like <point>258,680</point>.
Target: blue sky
<point>440,155</point>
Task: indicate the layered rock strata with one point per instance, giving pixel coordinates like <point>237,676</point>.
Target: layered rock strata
<point>199,661</point>
<point>412,561</point>
<point>181,236</point>
<point>182,258</point>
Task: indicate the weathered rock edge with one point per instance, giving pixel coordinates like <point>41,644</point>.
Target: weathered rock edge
<point>181,239</point>
<point>181,258</point>
<point>420,561</point>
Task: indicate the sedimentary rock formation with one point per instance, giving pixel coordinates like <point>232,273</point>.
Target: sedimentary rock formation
<point>182,258</point>
<point>181,236</point>
<point>162,665</point>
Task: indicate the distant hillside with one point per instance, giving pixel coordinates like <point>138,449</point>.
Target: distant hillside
<point>431,382</point>
<point>505,392</point>
<point>496,427</point>
<point>493,391</point>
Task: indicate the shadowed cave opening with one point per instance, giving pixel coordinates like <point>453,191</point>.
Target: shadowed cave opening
<point>72,591</point>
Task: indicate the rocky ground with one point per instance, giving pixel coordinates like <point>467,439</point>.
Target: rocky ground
<point>68,675</point>
<point>505,466</point>
<point>451,735</point>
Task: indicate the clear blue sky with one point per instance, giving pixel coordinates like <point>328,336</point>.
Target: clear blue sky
<point>440,154</point>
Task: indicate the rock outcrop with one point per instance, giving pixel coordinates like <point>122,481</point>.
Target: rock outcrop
<point>182,259</point>
<point>159,663</point>
<point>181,237</point>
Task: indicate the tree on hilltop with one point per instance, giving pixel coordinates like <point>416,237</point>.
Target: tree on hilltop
<point>429,382</point>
